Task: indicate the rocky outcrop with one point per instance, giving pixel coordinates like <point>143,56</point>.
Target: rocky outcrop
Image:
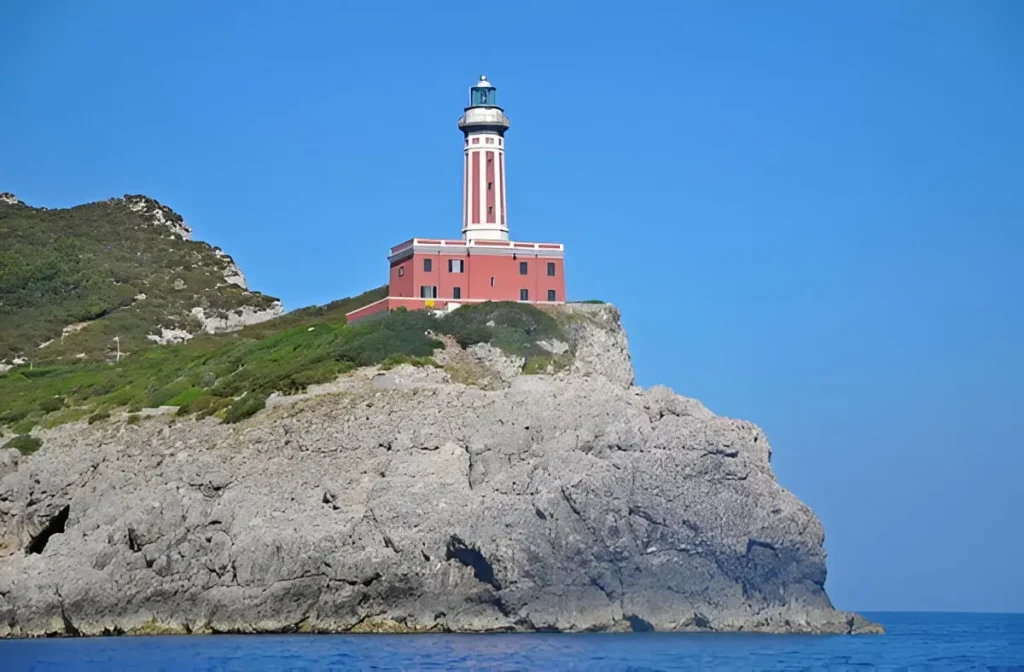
<point>159,215</point>
<point>404,501</point>
<point>217,322</point>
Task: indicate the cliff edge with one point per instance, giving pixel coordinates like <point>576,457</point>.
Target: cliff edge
<point>472,497</point>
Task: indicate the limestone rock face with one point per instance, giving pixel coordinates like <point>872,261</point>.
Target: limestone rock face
<point>406,501</point>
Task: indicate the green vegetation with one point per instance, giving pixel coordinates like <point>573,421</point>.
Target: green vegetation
<point>99,415</point>
<point>24,443</point>
<point>250,404</point>
<point>391,361</point>
<point>52,404</point>
<point>231,375</point>
<point>92,265</point>
<point>547,363</point>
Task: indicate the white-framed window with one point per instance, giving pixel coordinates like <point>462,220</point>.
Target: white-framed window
<point>428,291</point>
<point>456,266</point>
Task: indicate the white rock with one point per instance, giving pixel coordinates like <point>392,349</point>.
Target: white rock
<point>159,216</point>
<point>236,319</point>
<point>170,336</point>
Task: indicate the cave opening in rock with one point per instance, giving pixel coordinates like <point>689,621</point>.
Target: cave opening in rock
<point>468,556</point>
<point>54,526</point>
<point>637,624</point>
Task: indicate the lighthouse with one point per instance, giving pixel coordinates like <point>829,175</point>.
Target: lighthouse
<point>483,200</point>
<point>442,274</point>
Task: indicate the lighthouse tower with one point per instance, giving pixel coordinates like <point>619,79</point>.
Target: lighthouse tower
<point>442,274</point>
<point>483,199</point>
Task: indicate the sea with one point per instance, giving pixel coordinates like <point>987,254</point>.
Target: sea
<point>913,641</point>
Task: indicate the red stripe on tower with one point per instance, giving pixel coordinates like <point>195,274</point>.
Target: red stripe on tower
<point>476,187</point>
<point>501,185</point>
<point>490,188</point>
<point>465,192</point>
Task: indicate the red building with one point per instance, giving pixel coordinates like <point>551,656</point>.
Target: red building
<point>483,265</point>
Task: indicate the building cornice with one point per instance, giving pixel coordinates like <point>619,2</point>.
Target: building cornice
<point>471,247</point>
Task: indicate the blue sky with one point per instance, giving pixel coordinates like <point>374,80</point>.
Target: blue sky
<point>810,213</point>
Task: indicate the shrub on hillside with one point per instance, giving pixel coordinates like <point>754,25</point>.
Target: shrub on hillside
<point>245,407</point>
<point>163,395</point>
<point>403,332</point>
<point>25,444</point>
<point>395,360</point>
<point>99,415</point>
<point>51,404</point>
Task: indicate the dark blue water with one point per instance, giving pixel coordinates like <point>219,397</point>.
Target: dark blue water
<point>914,641</point>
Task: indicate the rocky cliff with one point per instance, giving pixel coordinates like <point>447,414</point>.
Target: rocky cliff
<point>404,501</point>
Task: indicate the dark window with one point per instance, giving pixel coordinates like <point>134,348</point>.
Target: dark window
<point>490,209</point>
<point>401,271</point>
<point>455,265</point>
<point>456,292</point>
<point>524,295</point>
<point>428,265</point>
<point>428,291</point>
<point>490,185</point>
<point>523,268</point>
<point>551,295</point>
<point>551,268</point>
<point>492,281</point>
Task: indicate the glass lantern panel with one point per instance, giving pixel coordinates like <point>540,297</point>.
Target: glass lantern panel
<point>483,96</point>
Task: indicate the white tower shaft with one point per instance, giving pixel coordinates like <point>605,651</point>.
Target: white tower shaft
<point>483,213</point>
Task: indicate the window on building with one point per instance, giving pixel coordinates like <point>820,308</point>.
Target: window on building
<point>490,209</point>
<point>428,291</point>
<point>401,271</point>
<point>523,268</point>
<point>551,268</point>
<point>524,295</point>
<point>456,265</point>
<point>492,281</point>
<point>456,292</point>
<point>476,141</point>
<point>490,186</point>
<point>490,141</point>
<point>551,295</point>
<point>428,265</point>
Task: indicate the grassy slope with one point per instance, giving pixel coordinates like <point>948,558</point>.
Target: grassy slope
<point>231,374</point>
<point>88,263</point>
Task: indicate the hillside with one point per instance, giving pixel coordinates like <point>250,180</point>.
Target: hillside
<point>71,280</point>
<point>231,375</point>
